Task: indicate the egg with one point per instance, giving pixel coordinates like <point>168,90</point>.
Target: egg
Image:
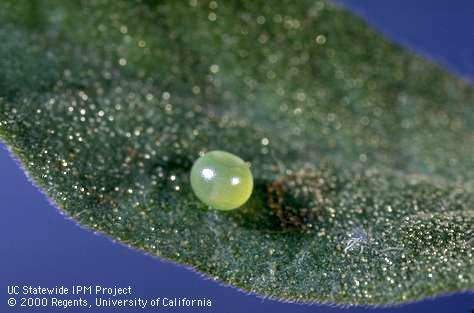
<point>221,180</point>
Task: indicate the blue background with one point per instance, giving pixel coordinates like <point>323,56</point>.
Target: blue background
<point>39,246</point>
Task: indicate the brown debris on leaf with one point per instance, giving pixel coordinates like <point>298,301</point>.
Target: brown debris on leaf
<point>297,199</point>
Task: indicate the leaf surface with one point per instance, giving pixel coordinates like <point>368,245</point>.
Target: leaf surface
<point>362,152</point>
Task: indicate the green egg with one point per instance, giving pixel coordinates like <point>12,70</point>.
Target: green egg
<point>221,180</point>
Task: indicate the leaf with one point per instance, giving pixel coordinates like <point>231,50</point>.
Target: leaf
<point>362,153</point>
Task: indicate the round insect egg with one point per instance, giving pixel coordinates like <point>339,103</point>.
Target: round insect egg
<point>221,180</point>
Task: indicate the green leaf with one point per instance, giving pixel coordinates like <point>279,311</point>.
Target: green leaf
<point>362,153</point>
